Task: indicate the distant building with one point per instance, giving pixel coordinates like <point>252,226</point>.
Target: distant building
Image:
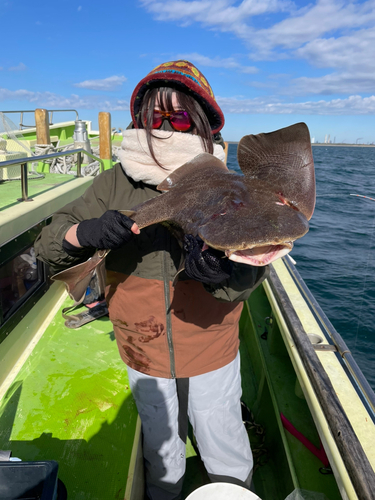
<point>312,140</point>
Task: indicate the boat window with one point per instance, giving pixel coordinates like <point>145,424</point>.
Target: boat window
<point>23,279</point>
<point>17,277</point>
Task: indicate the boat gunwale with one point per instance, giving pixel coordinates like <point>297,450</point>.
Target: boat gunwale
<point>356,374</point>
<point>362,477</point>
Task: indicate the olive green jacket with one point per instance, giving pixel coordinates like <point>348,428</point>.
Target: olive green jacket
<point>161,329</point>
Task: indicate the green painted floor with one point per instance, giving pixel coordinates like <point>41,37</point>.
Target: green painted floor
<point>71,403</point>
<point>10,191</point>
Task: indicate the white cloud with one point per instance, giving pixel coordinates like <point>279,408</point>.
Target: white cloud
<point>218,62</point>
<point>300,26</point>
<point>20,67</point>
<point>110,83</point>
<point>335,34</point>
<point>353,105</point>
<point>326,17</point>
<point>212,12</point>
<point>51,100</point>
<point>354,51</point>
<point>334,83</point>
<point>79,8</point>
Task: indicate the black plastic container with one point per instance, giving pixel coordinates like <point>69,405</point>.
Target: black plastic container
<point>28,480</point>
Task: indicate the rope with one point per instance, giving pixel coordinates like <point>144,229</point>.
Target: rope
<point>65,164</point>
<point>60,165</point>
<point>259,451</point>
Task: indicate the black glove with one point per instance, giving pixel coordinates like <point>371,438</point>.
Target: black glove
<point>109,232</point>
<point>209,266</point>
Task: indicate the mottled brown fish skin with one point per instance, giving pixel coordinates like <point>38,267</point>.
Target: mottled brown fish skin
<point>226,211</point>
<point>270,204</point>
<point>284,160</point>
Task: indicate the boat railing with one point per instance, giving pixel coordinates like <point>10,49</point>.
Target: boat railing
<point>50,112</point>
<point>24,161</point>
<point>354,457</point>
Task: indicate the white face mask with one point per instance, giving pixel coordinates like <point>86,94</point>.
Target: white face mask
<point>175,149</point>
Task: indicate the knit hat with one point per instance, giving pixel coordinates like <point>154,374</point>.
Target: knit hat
<point>180,75</point>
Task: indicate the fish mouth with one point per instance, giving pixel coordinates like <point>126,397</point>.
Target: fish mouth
<point>260,256</point>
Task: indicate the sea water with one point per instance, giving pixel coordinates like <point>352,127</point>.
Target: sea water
<point>336,258</point>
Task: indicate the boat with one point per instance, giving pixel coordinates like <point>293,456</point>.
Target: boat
<point>64,393</point>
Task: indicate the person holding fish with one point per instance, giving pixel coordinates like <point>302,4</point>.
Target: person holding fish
<point>174,302</point>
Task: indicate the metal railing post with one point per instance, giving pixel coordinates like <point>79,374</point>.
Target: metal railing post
<point>79,163</point>
<point>24,184</point>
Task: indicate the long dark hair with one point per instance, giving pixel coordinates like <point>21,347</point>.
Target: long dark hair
<point>186,102</point>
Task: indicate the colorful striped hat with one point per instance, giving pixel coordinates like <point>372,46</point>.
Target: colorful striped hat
<point>181,75</point>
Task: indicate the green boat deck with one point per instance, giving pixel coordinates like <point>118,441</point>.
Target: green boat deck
<point>10,190</point>
<point>71,402</point>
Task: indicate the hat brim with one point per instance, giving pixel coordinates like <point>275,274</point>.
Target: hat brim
<point>209,105</point>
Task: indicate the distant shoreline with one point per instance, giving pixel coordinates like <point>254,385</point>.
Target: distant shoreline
<point>338,144</point>
<point>344,145</point>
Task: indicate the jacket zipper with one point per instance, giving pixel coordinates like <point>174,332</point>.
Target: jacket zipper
<point>167,299</point>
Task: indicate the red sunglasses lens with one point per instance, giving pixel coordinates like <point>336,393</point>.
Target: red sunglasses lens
<point>180,121</point>
<point>157,120</point>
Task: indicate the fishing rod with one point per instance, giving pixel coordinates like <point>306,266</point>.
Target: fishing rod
<point>334,195</point>
<point>363,196</point>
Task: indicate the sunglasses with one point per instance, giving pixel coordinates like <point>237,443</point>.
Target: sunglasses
<point>180,120</point>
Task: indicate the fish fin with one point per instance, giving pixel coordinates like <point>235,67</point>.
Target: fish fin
<point>77,278</point>
<point>150,212</point>
<point>283,159</point>
<point>190,168</point>
<point>144,222</point>
<point>128,213</point>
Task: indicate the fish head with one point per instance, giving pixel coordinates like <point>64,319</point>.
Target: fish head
<point>256,227</point>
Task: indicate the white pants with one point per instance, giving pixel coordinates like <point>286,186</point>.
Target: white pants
<point>215,414</point>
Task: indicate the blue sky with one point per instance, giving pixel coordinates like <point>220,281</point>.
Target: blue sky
<point>270,63</point>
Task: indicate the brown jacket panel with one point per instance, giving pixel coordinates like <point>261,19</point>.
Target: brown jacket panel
<point>204,331</point>
<point>207,329</point>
